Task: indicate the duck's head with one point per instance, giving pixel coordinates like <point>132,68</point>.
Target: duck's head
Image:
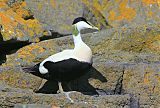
<point>81,23</point>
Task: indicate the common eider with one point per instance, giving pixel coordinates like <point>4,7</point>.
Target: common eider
<point>69,64</point>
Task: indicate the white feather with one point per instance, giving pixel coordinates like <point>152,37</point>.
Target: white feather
<point>66,54</point>
<point>43,70</point>
<point>82,25</point>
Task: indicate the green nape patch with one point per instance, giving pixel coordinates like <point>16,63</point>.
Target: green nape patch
<point>75,30</point>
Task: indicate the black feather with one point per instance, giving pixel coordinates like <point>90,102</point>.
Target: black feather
<point>65,70</point>
<point>79,19</point>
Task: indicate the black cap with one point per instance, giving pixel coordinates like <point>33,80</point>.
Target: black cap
<point>79,19</point>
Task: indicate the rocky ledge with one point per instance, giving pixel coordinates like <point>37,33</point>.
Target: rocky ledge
<point>126,53</point>
<point>10,99</point>
<point>125,71</point>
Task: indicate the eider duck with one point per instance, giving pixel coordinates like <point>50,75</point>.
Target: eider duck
<point>69,64</point>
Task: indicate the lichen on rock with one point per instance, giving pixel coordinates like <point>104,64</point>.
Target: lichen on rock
<point>126,57</point>
<point>18,22</point>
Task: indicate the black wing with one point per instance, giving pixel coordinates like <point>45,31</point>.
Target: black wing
<point>66,69</point>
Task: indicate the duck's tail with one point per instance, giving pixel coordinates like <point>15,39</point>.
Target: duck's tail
<point>35,71</point>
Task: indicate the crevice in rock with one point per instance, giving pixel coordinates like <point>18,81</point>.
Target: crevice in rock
<point>53,35</point>
<point>119,85</point>
<point>12,3</point>
<point>28,17</point>
<point>95,17</point>
<point>134,102</point>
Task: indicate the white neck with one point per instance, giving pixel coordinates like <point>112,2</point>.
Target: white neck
<point>77,40</point>
<point>81,51</point>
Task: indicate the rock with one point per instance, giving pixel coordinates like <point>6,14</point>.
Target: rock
<point>110,101</point>
<point>18,22</point>
<point>33,106</point>
<point>24,24</point>
<point>142,80</point>
<point>60,100</point>
<point>14,78</point>
<point>95,16</point>
<point>102,13</point>
<point>126,13</point>
<point>56,15</point>
<point>122,57</point>
<point>126,60</point>
<point>136,44</point>
<point>6,88</point>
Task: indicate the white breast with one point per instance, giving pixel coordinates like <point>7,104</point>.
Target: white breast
<point>83,53</point>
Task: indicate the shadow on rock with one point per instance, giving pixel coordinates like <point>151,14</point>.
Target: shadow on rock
<point>9,47</point>
<point>2,55</point>
<point>52,35</point>
<point>81,85</point>
<point>2,58</point>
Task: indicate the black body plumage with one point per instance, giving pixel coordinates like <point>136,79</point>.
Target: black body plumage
<point>63,71</point>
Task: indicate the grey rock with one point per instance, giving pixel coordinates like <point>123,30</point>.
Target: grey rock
<point>123,64</point>
<point>8,99</point>
<point>31,106</point>
<point>56,15</point>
